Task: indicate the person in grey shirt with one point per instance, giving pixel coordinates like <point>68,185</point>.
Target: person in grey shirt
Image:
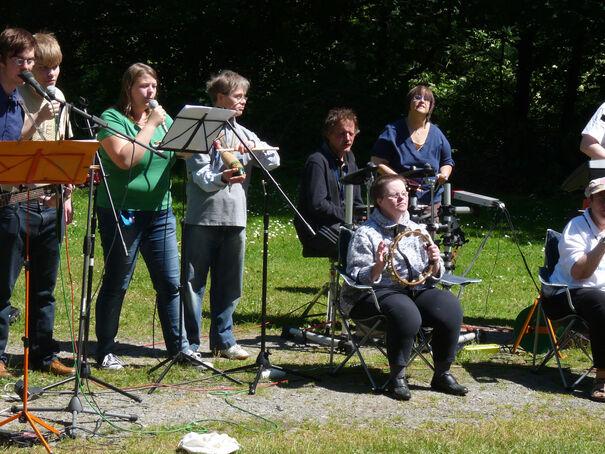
<point>215,226</point>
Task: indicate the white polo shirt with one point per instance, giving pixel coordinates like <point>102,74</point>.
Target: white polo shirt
<point>596,126</point>
<point>579,237</point>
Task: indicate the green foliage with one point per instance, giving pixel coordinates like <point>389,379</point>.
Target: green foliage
<point>515,81</point>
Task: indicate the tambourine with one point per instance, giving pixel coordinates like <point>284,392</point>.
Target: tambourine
<point>390,259</point>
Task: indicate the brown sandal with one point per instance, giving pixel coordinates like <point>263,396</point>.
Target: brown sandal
<point>598,390</point>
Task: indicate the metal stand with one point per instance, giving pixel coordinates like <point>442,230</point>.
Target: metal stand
<point>262,360</point>
<point>24,414</point>
<point>83,370</point>
<point>182,357</point>
<point>190,133</point>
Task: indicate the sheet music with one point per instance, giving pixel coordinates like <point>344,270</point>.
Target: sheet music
<point>195,128</point>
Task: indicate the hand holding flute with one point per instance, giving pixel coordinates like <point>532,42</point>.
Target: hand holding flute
<point>234,173</point>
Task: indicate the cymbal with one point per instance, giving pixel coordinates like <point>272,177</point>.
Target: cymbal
<point>358,177</point>
<point>424,172</point>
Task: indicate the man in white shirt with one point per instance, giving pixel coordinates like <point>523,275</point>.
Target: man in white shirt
<point>593,135</point>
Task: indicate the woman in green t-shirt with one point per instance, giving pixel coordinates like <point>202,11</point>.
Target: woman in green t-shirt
<point>139,183</point>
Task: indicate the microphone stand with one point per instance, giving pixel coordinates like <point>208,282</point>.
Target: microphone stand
<point>83,370</point>
<point>262,360</point>
<point>29,79</point>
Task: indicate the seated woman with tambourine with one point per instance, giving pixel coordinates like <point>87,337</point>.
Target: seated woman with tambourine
<point>398,259</point>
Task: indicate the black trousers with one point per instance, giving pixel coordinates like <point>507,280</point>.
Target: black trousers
<point>590,305</point>
<point>406,312</point>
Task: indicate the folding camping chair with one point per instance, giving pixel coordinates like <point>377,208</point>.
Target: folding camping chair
<point>369,331</point>
<point>573,325</point>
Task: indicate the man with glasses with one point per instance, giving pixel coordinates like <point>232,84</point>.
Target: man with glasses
<point>321,198</point>
<point>17,54</point>
<point>215,227</point>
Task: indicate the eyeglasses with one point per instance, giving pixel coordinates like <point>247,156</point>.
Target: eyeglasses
<point>21,61</point>
<point>240,98</point>
<point>403,195</point>
<point>419,97</point>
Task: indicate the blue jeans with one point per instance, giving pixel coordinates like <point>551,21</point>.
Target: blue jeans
<point>220,250</point>
<point>153,233</point>
<point>44,242</point>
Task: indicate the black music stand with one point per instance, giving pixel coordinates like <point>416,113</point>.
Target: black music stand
<point>193,131</point>
<point>262,360</point>
<point>47,162</point>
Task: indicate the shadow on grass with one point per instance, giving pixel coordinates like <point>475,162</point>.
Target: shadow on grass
<point>546,380</point>
<point>294,289</point>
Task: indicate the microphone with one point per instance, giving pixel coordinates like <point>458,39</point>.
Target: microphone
<point>55,94</point>
<point>153,104</point>
<point>30,80</point>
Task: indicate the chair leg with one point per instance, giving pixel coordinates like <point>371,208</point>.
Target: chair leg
<point>356,350</point>
<point>557,345</point>
<point>423,341</point>
<point>322,291</point>
<point>582,377</point>
<point>525,326</point>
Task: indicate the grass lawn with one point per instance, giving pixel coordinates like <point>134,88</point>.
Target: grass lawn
<point>507,288</point>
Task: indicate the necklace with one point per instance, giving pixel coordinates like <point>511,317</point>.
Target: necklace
<point>420,134</point>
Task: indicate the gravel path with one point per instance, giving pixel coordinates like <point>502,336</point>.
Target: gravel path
<point>497,389</point>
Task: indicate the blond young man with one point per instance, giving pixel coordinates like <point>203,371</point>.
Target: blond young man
<point>17,54</point>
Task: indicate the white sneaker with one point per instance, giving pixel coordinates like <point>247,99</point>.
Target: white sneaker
<point>111,362</point>
<point>234,352</point>
<point>198,357</point>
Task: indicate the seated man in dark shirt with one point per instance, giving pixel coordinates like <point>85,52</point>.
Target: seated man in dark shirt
<point>322,197</point>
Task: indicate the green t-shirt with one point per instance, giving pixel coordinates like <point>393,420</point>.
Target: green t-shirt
<point>145,186</point>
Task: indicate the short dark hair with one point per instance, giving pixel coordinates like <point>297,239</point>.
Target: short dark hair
<point>334,117</point>
<point>14,41</point>
<point>421,90</point>
<point>378,186</point>
<point>225,82</point>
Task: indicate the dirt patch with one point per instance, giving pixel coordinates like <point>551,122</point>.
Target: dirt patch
<point>498,388</point>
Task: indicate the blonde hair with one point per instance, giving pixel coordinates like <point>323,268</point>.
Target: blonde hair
<point>48,51</point>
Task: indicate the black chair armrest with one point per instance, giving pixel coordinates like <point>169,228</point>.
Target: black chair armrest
<point>549,288</point>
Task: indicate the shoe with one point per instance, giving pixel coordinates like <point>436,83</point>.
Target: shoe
<point>399,389</point>
<point>58,368</point>
<point>4,371</point>
<point>111,362</point>
<point>14,315</point>
<point>598,390</point>
<point>233,352</point>
<point>197,357</point>
<point>446,383</point>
